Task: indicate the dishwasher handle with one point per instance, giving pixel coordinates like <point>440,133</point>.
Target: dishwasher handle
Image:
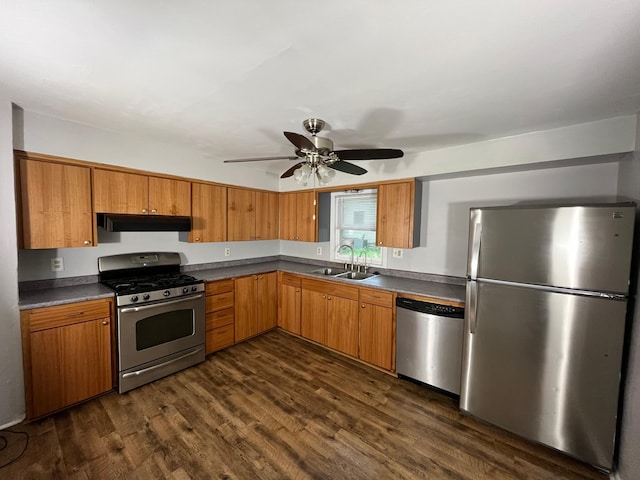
<point>430,308</point>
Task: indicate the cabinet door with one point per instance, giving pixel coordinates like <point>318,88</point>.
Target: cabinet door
<point>169,197</point>
<point>56,205</point>
<point>290,298</point>
<point>395,215</point>
<point>342,325</point>
<point>208,213</point>
<point>267,301</point>
<point>306,210</point>
<point>241,219</point>
<point>119,192</point>
<point>313,320</point>
<point>288,212</point>
<point>376,335</point>
<point>245,307</point>
<point>266,216</point>
<point>69,364</point>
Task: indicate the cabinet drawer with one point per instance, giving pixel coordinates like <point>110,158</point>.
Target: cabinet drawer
<point>58,316</point>
<point>220,318</point>
<point>219,286</point>
<point>219,338</point>
<point>290,279</point>
<point>336,289</point>
<point>219,302</point>
<point>376,297</point>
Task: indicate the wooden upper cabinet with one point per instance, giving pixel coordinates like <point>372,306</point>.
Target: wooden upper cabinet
<point>266,215</point>
<point>132,193</point>
<point>120,192</point>
<point>56,205</point>
<point>398,216</point>
<point>241,216</point>
<point>169,197</point>
<point>252,215</point>
<point>208,213</point>
<point>298,214</point>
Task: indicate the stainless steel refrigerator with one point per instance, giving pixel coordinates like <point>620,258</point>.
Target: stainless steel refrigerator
<point>544,323</point>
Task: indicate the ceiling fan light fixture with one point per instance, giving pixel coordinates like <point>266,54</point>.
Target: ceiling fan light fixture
<point>301,175</point>
<point>325,174</point>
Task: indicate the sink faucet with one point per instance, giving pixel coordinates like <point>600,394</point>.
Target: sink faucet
<point>363,266</point>
<point>350,248</point>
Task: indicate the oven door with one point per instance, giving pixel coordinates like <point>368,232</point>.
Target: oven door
<point>148,333</point>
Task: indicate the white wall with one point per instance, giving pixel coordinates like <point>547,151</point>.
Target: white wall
<point>629,458</point>
<point>446,203</point>
<point>12,405</point>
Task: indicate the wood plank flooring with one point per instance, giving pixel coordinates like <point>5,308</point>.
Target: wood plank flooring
<point>277,407</point>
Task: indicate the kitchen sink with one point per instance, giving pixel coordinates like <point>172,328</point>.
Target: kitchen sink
<point>332,272</point>
<point>355,275</point>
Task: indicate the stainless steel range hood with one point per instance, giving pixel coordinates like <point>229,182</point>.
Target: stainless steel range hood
<point>143,223</point>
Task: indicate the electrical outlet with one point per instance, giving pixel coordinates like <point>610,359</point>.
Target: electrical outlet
<point>318,250</point>
<point>397,253</point>
<point>227,252</point>
<point>57,264</point>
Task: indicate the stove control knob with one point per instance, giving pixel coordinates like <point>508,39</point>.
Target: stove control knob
<point>146,296</point>
<point>166,293</point>
<point>194,289</point>
<point>185,290</point>
<point>134,298</point>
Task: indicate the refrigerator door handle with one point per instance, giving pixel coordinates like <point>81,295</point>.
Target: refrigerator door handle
<point>472,306</point>
<point>475,251</point>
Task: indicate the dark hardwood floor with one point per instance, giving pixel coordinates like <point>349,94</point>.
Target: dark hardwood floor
<point>278,407</point>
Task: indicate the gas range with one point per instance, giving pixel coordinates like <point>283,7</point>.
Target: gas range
<point>141,278</point>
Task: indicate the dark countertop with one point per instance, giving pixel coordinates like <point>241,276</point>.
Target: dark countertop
<point>46,297</point>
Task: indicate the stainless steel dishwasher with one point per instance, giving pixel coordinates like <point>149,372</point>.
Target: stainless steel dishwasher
<point>429,343</point>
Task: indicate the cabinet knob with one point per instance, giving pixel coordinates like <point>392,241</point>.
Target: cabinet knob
<point>87,242</point>
<point>153,210</point>
<point>104,322</point>
<point>144,210</point>
<point>362,305</point>
<point>324,296</point>
<point>329,298</point>
<point>380,242</point>
<point>297,290</point>
<point>197,239</point>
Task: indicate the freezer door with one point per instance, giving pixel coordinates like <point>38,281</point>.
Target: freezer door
<point>585,248</point>
<point>545,365</point>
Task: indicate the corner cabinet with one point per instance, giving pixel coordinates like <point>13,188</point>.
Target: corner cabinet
<point>55,201</point>
<point>398,214</point>
<point>67,354</point>
<point>298,214</point>
<point>252,215</point>
<point>256,305</point>
<point>132,193</point>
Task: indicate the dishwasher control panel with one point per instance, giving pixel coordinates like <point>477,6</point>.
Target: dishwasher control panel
<point>430,308</point>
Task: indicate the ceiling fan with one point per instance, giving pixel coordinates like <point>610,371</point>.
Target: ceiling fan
<point>319,157</point>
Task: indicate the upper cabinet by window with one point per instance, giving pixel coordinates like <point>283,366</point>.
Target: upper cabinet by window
<point>55,205</point>
<point>298,212</point>
<point>131,193</point>
<point>398,218</point>
<point>252,215</point>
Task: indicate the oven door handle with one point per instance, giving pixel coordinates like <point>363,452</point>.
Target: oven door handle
<point>160,365</point>
<point>163,304</point>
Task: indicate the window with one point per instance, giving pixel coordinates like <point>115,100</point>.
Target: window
<point>353,220</point>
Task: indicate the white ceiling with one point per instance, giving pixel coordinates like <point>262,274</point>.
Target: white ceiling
<point>230,76</point>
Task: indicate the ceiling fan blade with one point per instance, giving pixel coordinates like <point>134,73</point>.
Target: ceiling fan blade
<point>369,154</point>
<point>300,141</point>
<point>347,167</point>
<point>259,159</point>
<point>289,172</point>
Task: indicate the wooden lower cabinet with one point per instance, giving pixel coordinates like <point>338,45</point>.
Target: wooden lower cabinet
<point>220,315</point>
<point>377,332</point>
<point>330,314</point>
<point>256,304</point>
<point>289,302</point>
<point>67,354</point>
